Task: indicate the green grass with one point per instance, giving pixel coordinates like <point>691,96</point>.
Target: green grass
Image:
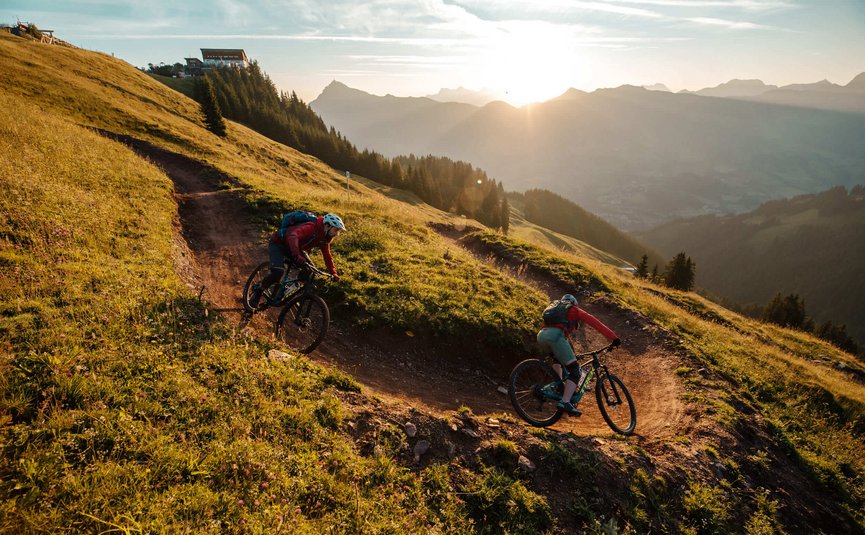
<point>815,411</point>
<point>396,271</point>
<point>126,408</point>
<point>123,406</point>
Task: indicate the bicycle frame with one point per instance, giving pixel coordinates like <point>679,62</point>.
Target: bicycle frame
<point>596,366</point>
<point>307,286</point>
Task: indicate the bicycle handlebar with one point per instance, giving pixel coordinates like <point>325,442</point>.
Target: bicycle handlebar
<point>314,269</point>
<point>604,349</point>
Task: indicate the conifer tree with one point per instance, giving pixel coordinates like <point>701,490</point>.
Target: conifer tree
<point>837,335</point>
<point>210,107</point>
<point>786,311</point>
<point>643,267</point>
<point>505,215</point>
<point>680,273</point>
<point>490,210</point>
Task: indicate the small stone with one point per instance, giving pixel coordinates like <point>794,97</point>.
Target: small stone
<point>598,441</point>
<point>492,422</point>
<point>420,448</point>
<point>410,429</point>
<point>275,354</point>
<point>526,464</point>
<point>454,427</point>
<point>470,432</point>
<point>502,390</point>
<point>452,449</point>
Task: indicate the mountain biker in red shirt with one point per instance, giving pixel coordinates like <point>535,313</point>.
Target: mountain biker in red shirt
<point>554,338</point>
<point>295,244</point>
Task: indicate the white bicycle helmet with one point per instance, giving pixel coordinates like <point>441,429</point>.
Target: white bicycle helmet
<point>334,221</point>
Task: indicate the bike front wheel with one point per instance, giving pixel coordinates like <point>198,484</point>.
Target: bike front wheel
<point>303,322</point>
<point>258,275</point>
<point>535,390</point>
<point>617,406</point>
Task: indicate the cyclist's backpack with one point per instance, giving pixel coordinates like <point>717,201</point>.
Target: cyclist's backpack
<point>557,313</point>
<point>297,217</point>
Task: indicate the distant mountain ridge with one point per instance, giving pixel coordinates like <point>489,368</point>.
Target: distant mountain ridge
<point>735,88</point>
<point>635,157</point>
<point>810,245</point>
<point>820,95</point>
<point>465,96</point>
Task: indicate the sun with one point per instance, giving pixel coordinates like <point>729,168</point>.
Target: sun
<point>529,62</point>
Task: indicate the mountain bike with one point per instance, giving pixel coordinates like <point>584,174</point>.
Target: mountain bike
<point>535,388</point>
<point>305,316</point>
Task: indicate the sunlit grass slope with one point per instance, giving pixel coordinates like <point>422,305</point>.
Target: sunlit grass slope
<point>125,408</point>
<point>810,392</point>
<point>397,273</point>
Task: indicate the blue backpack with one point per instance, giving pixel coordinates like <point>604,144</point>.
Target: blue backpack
<point>557,313</point>
<point>297,217</point>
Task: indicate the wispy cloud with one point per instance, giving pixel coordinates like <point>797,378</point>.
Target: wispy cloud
<point>751,5</point>
<point>730,24</point>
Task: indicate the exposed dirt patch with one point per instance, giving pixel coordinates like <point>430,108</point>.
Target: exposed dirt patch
<point>646,361</point>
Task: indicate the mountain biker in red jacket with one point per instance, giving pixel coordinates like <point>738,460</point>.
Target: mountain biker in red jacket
<point>295,244</point>
<point>554,338</point>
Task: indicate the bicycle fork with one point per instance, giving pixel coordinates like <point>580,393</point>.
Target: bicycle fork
<point>609,391</point>
<point>303,308</point>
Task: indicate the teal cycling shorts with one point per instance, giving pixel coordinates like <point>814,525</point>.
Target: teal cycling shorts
<point>553,339</point>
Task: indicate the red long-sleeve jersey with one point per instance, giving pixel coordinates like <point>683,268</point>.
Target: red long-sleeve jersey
<point>577,314</point>
<point>303,238</point>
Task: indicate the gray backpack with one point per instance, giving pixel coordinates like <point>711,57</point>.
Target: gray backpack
<point>557,313</point>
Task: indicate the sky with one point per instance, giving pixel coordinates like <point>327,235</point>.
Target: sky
<point>521,50</point>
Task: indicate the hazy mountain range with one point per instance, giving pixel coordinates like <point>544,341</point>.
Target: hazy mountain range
<point>636,157</point>
<point>810,245</point>
<point>465,96</point>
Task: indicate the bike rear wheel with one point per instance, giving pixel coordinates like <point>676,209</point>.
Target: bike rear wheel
<point>258,275</point>
<point>535,390</point>
<point>303,322</point>
<point>617,406</point>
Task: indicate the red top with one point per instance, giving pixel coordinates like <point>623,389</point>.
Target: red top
<point>302,238</point>
<point>576,314</point>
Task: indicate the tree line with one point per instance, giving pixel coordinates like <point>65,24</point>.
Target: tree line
<point>248,96</point>
<point>789,311</point>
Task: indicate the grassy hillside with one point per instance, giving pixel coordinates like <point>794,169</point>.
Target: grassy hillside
<point>126,404</point>
<point>810,245</point>
<point>813,406</point>
<point>401,289</point>
<point>124,407</point>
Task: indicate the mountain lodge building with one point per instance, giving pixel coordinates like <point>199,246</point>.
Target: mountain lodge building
<point>223,57</point>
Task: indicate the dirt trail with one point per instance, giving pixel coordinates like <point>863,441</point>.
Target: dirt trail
<point>643,362</point>
<point>225,247</point>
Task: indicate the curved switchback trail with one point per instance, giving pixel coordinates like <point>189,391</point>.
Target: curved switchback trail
<point>225,246</point>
